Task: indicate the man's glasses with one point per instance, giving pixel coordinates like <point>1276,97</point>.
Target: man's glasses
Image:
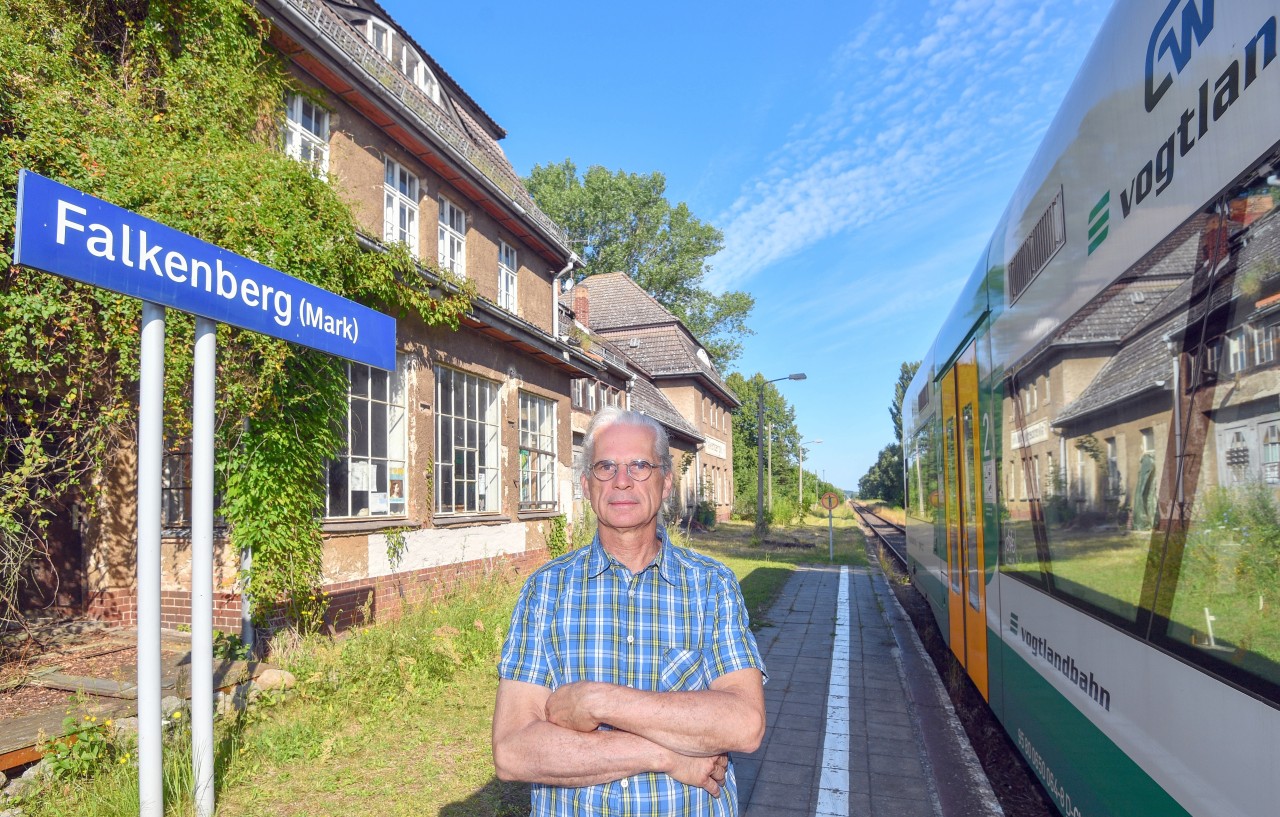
<point>639,470</point>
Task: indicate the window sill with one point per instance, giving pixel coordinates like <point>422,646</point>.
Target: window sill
<point>459,520</point>
<point>538,514</point>
<point>368,524</point>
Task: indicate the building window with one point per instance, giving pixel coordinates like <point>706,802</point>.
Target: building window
<point>467,447</point>
<point>378,34</point>
<point>1236,357</point>
<point>1114,485</point>
<point>306,133</point>
<point>416,69</point>
<point>537,452</point>
<point>1265,340</point>
<point>507,276</point>
<point>175,488</point>
<point>367,478</point>
<point>453,238</point>
<point>1271,453</point>
<point>400,208</point>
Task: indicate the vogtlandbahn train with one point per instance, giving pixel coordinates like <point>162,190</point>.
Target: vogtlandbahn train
<point>1092,443</point>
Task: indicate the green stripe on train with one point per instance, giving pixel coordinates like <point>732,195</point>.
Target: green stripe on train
<point>1084,772</point>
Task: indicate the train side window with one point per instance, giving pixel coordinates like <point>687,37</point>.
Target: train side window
<point>1222,613</point>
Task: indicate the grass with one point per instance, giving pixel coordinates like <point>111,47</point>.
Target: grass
<point>394,718</point>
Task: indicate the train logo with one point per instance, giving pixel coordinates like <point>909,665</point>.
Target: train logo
<point>1098,218</point>
<point>1168,42</point>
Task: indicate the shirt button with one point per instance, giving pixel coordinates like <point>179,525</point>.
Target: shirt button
<point>624,784</point>
<point>631,639</point>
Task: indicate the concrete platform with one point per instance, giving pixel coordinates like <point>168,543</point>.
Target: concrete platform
<point>859,722</point>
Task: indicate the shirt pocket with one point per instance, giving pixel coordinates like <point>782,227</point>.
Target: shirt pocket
<point>682,671</point>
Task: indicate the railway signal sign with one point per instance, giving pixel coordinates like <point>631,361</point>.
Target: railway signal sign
<point>829,501</point>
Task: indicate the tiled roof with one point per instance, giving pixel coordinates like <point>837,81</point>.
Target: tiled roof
<point>643,330</point>
<point>646,399</point>
<point>617,302</point>
<point>1144,358</point>
<point>1134,369</point>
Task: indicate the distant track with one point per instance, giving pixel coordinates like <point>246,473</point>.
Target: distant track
<point>892,536</point>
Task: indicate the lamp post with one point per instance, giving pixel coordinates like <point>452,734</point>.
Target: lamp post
<point>770,466</point>
<point>760,447</point>
<point>802,445</point>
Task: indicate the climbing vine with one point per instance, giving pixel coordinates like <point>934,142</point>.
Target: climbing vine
<point>174,110</point>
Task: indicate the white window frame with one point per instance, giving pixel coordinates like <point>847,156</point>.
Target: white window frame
<point>537,453</point>
<point>1237,351</point>
<point>508,276</point>
<point>359,481</point>
<point>468,447</point>
<point>379,36</point>
<point>452,238</point>
<point>400,191</point>
<point>1270,454</point>
<point>306,133</point>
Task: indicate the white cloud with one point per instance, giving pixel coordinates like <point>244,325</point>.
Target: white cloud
<point>921,97</point>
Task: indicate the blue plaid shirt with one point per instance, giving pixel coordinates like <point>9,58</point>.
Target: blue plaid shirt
<point>676,626</point>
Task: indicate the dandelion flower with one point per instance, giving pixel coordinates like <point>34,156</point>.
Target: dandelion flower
<point>177,715</point>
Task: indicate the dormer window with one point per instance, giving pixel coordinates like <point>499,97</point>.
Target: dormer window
<point>378,34</point>
<point>415,68</point>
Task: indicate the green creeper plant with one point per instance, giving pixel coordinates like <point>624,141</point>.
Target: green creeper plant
<point>175,110</point>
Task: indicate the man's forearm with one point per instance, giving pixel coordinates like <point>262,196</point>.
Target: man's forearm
<point>702,723</point>
<point>543,752</point>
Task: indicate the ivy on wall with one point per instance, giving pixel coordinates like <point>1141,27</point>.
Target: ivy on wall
<point>174,110</point>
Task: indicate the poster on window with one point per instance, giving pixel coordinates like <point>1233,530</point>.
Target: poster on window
<point>359,476</point>
<point>395,491</point>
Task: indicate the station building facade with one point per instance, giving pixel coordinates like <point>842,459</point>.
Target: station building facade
<point>461,460</point>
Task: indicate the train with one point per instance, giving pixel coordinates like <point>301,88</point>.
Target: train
<point>1091,444</point>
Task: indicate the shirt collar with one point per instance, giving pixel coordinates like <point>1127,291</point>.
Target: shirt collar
<point>598,561</point>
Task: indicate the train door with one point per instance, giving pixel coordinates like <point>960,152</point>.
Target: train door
<point>966,588</point>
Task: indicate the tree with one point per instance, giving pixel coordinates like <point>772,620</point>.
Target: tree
<point>623,222</point>
<point>883,480</point>
<point>780,420</point>
<point>905,374</point>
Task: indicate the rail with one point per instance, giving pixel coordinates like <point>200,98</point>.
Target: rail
<point>890,534</point>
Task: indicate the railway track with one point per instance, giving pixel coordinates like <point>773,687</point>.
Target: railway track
<point>893,537</point>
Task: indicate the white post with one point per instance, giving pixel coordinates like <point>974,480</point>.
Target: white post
<point>150,456</point>
<point>202,468</point>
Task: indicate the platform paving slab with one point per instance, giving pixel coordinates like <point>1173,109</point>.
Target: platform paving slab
<point>903,753</point>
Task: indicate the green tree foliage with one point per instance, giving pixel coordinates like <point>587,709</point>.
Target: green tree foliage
<point>172,110</point>
<point>623,222</point>
<point>905,374</point>
<point>746,436</point>
<point>883,480</point>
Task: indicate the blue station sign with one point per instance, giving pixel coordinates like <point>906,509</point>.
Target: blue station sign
<point>63,231</point>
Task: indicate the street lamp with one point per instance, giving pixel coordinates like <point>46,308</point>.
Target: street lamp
<point>802,445</point>
<point>760,447</point>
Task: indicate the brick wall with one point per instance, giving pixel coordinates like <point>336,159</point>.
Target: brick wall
<point>384,597</point>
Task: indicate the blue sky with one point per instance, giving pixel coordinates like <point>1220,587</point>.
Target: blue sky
<point>856,155</point>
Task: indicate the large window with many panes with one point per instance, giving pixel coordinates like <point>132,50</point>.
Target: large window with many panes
<point>467,447</point>
<point>368,477</point>
<point>400,206</point>
<point>537,453</point>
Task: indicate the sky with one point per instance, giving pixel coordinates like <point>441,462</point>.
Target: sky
<point>856,155</point>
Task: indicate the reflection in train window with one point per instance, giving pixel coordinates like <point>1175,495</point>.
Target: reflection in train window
<point>1223,609</point>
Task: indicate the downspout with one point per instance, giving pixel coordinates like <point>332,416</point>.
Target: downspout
<point>574,260</point>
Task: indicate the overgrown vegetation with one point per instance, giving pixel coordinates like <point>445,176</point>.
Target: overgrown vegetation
<point>394,719</point>
<point>174,111</point>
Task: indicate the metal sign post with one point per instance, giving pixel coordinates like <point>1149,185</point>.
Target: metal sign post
<point>65,232</point>
<point>830,501</point>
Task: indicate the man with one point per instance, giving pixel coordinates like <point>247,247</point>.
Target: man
<point>630,672</point>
